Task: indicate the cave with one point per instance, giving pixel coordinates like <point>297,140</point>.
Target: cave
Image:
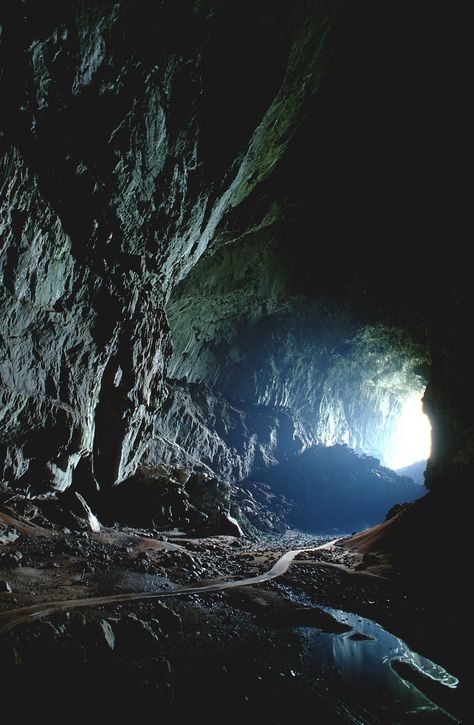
<point>235,370</point>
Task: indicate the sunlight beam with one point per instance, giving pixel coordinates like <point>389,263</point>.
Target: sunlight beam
<point>411,439</point>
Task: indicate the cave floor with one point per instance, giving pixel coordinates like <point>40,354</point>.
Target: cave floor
<point>306,640</point>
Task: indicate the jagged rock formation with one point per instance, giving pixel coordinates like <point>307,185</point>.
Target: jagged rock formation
<point>165,498</point>
<point>249,168</point>
<point>199,429</point>
<point>324,489</point>
<point>230,238</point>
<point>241,324</point>
<point>115,176</point>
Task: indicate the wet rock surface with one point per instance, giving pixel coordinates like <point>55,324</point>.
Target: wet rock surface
<point>250,643</point>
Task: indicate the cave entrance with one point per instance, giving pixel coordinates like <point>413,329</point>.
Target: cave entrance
<point>294,389</point>
<point>410,442</point>
<point>372,399</point>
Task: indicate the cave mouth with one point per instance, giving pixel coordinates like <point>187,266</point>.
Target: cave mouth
<point>371,400</point>
<point>296,395</point>
<point>397,431</point>
<point>411,438</point>
<point>271,189</point>
<point>242,324</point>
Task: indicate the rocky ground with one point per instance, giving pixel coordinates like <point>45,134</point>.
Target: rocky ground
<point>185,655</point>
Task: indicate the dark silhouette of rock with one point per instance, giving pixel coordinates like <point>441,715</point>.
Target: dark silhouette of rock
<point>416,471</point>
<point>334,490</point>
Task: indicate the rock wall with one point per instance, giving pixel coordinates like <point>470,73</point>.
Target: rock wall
<point>198,428</point>
<point>128,130</point>
<point>134,137</point>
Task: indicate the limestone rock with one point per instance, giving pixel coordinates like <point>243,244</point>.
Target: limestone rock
<point>199,429</point>
<point>115,176</point>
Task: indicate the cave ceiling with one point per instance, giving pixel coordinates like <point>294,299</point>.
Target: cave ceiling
<point>223,194</point>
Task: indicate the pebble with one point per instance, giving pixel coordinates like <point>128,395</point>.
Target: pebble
<point>108,633</point>
<point>13,559</point>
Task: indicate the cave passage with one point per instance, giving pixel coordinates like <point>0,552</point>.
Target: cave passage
<point>233,314</point>
<point>268,385</point>
<point>281,367</point>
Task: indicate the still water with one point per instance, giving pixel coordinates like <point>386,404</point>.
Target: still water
<point>356,674</point>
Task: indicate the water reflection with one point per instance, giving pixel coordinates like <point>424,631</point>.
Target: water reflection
<point>357,675</point>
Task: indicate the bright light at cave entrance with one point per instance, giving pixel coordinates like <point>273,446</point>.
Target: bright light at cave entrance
<point>411,439</point>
